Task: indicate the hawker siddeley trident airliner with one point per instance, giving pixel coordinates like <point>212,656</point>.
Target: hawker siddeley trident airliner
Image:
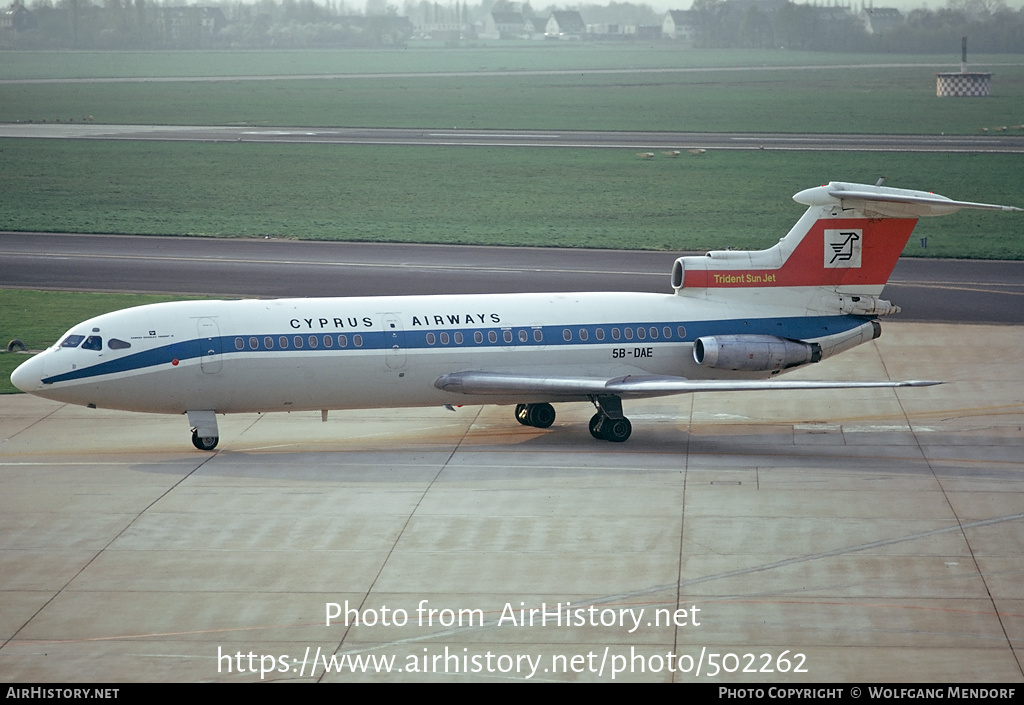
<point>735,320</point>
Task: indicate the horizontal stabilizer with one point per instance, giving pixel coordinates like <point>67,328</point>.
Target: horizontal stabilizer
<point>894,202</point>
<point>499,383</point>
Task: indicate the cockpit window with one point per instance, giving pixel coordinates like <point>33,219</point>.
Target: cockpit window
<point>115,344</point>
<point>72,341</point>
<point>93,342</point>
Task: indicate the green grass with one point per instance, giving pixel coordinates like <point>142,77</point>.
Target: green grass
<point>845,100</point>
<point>530,197</point>
<point>40,318</point>
<point>480,57</point>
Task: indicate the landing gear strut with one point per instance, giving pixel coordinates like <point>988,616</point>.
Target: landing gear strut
<point>608,423</point>
<point>536,415</point>
<point>204,428</point>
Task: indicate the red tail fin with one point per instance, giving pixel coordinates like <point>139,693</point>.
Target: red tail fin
<point>848,241</point>
<point>833,252</point>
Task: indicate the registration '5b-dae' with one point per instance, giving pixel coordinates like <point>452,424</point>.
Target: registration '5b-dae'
<point>735,321</point>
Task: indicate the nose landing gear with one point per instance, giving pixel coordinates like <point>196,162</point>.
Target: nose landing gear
<point>204,442</point>
<point>204,428</point>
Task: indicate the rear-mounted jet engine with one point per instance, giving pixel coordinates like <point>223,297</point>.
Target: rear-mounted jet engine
<point>753,353</point>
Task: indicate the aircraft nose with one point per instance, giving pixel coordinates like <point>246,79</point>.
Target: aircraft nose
<point>28,375</point>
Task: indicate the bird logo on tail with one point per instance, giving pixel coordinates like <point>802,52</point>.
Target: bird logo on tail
<point>843,248</point>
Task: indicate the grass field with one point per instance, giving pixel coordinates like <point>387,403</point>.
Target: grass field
<point>897,99</point>
<point>562,197</point>
<point>531,197</point>
<point>478,57</point>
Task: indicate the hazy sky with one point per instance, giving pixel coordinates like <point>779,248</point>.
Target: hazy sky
<point>664,5</point>
<point>903,5</point>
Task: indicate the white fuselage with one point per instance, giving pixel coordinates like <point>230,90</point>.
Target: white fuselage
<point>345,353</point>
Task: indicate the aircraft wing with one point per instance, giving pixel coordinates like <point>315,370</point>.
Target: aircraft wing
<point>636,386</point>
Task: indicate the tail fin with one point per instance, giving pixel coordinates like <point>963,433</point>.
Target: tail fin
<point>848,242</point>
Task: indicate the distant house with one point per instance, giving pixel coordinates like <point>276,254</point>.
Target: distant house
<point>881,19</point>
<point>565,24</point>
<point>680,25</point>
<point>505,25</point>
<point>189,26</point>
<point>18,18</point>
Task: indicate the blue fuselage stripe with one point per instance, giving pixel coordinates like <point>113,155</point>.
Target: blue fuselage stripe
<point>798,328</point>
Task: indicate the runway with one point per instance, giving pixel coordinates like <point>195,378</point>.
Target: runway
<point>857,537</point>
<point>926,289</point>
<point>994,143</point>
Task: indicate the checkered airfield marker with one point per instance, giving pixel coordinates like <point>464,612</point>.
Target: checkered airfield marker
<point>963,85</point>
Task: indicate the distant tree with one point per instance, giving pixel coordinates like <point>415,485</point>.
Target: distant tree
<point>756,31</point>
<point>710,28</point>
<point>977,8</point>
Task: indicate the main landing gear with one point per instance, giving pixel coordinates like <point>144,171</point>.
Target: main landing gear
<point>536,415</point>
<point>607,424</point>
<point>614,430</point>
<point>204,428</point>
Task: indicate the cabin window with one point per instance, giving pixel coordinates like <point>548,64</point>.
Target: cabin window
<point>641,333</point>
<point>458,338</point>
<point>478,337</point>
<point>298,341</point>
<point>431,339</point>
<point>268,343</point>
<point>239,344</point>
<point>115,344</point>
<point>444,339</point>
<point>507,335</point>
<point>566,335</point>
<point>72,341</point>
<point>599,333</point>
<point>328,341</point>
<point>342,341</point>
<point>583,334</point>
<point>629,333</point>
<point>357,340</point>
<point>615,334</point>
<point>313,341</point>
<point>681,331</point>
<point>524,337</point>
<point>654,333</point>
<point>667,332</point>
<point>93,342</point>
<point>538,335</point>
<point>254,343</point>
<point>492,336</point>
<point>283,342</point>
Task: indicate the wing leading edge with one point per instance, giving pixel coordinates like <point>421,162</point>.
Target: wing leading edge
<point>631,386</point>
